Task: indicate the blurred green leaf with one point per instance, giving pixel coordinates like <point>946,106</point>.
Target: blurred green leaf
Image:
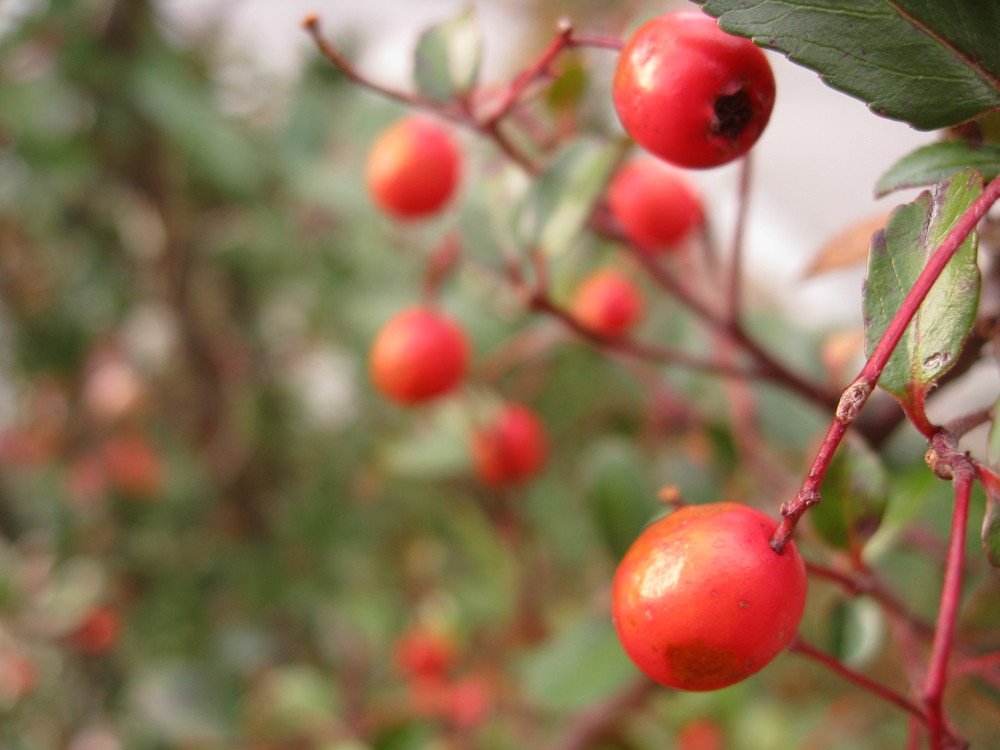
<point>990,534</point>
<point>558,203</point>
<point>578,667</point>
<point>898,254</point>
<point>855,496</point>
<point>567,90</point>
<point>447,59</point>
<point>993,441</point>
<point>618,492</point>
<point>937,162</point>
<point>918,61</point>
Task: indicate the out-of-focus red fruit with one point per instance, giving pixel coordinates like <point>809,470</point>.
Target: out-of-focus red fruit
<point>423,652</point>
<point>511,448</point>
<point>418,355</point>
<point>655,205</point>
<point>469,702</point>
<point>701,734</point>
<point>86,478</point>
<point>133,465</point>
<point>98,631</point>
<point>18,676</point>
<point>413,168</point>
<point>608,303</point>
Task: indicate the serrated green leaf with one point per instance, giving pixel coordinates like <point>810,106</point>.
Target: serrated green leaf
<point>898,254</point>
<point>924,62</point>
<point>855,495</point>
<point>617,493</point>
<point>448,57</point>
<point>939,161</point>
<point>558,203</point>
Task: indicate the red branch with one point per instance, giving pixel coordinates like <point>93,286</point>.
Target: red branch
<point>856,394</point>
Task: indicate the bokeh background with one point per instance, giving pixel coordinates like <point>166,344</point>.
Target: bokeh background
<point>213,534</point>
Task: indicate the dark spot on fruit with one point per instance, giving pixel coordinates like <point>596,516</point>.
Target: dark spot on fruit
<point>733,112</point>
<point>700,666</point>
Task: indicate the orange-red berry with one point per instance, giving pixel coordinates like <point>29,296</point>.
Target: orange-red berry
<point>655,205</point>
<point>511,448</point>
<point>608,303</point>
<point>413,168</point>
<point>690,93</point>
<point>701,600</point>
<point>419,355</point>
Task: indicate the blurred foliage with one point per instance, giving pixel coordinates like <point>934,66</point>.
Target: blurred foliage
<point>213,532</point>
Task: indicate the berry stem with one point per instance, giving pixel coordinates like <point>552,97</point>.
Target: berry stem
<point>885,692</point>
<point>856,394</point>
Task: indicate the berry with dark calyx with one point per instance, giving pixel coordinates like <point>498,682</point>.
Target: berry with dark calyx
<point>701,600</point>
<point>655,205</point>
<point>511,448</point>
<point>608,303</point>
<point>691,94</point>
<point>413,168</point>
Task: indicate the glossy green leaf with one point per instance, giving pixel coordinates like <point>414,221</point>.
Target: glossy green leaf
<point>855,630</point>
<point>618,493</point>
<point>898,254</point>
<point>447,58</point>
<point>558,203</point>
<point>926,62</point>
<point>939,161</point>
<point>990,534</point>
<point>855,495</point>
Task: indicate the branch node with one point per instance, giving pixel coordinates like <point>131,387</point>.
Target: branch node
<point>852,400</point>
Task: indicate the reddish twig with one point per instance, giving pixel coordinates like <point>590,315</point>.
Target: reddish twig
<point>856,394</point>
<point>591,725</point>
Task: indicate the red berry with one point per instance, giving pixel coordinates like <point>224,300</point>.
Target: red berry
<point>511,448</point>
<point>98,631</point>
<point>423,653</point>
<point>654,204</point>
<point>608,303</point>
<point>413,168</point>
<point>701,601</point>
<point>468,702</point>
<point>690,93</point>
<point>701,734</point>
<point>418,355</point>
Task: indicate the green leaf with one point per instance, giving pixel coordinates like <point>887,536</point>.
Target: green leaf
<point>558,203</point>
<point>577,668</point>
<point>925,62</point>
<point>618,493</point>
<point>993,442</point>
<point>939,161</point>
<point>934,338</point>
<point>855,495</point>
<point>855,631</point>
<point>990,535</point>
<point>448,57</point>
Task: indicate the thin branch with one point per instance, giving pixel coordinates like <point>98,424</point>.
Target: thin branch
<point>591,725</point>
<point>857,393</point>
<point>734,282</point>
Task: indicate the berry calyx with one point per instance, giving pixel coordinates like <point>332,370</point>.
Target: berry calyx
<point>608,303</point>
<point>511,448</point>
<point>701,601</point>
<point>413,168</point>
<point>690,93</point>
<point>419,355</point>
<point>655,205</point>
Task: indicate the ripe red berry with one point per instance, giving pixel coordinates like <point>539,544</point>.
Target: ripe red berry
<point>413,168</point>
<point>608,303</point>
<point>701,601</point>
<point>655,205</point>
<point>690,93</point>
<point>511,448</point>
<point>133,465</point>
<point>418,355</point>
